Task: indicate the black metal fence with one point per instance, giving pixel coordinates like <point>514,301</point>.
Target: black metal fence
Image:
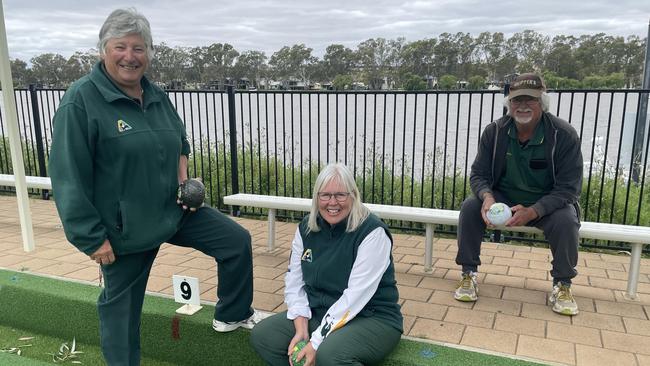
<point>405,148</point>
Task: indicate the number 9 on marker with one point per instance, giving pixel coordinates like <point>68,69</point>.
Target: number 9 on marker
<point>186,290</point>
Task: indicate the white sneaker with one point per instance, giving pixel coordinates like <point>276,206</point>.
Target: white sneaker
<point>467,289</point>
<point>562,300</point>
<point>249,323</point>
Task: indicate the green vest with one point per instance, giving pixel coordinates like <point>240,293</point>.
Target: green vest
<point>326,273</point>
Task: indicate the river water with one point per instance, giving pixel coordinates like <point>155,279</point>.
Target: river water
<point>414,133</point>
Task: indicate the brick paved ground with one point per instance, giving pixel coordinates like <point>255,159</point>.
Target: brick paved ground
<point>512,316</point>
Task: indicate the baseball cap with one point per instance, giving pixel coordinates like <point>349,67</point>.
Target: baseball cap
<point>527,84</point>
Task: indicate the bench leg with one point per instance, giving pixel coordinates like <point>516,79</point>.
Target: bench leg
<point>271,238</point>
<point>428,249</point>
<point>633,275</point>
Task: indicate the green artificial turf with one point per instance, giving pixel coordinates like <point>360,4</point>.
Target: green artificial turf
<point>41,347</point>
<point>13,360</point>
<point>55,311</point>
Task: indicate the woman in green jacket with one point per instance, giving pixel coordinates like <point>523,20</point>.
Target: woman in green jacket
<point>119,152</point>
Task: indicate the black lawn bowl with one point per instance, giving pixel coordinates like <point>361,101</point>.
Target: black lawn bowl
<point>191,193</point>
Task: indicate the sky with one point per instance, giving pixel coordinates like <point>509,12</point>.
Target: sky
<point>65,26</point>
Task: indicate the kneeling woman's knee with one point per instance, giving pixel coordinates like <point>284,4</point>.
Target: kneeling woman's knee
<point>324,359</point>
<point>327,356</point>
<point>256,338</point>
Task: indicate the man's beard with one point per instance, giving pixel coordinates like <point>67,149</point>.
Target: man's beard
<point>523,120</point>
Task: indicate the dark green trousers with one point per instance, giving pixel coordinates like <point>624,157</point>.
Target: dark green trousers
<point>125,281</point>
<point>363,341</point>
<point>561,229</point>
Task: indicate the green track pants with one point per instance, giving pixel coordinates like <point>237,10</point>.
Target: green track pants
<point>125,281</point>
<point>363,341</point>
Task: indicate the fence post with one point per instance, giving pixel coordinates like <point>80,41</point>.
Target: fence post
<point>232,120</point>
<point>40,150</point>
<point>506,91</point>
<point>637,147</point>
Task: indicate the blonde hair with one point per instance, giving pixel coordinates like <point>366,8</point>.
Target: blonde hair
<point>339,173</point>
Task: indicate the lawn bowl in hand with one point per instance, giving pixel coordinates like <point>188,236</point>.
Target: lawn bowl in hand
<point>294,354</point>
<point>191,193</point>
<point>499,213</point>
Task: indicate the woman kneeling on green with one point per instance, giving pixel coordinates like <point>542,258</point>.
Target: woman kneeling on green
<point>340,287</point>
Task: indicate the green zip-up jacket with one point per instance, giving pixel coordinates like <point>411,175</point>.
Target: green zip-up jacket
<point>562,154</point>
<point>114,165</point>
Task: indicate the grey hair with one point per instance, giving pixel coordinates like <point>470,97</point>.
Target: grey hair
<point>121,23</point>
<point>339,173</point>
<point>545,100</point>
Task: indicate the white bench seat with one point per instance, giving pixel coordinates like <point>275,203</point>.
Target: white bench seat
<point>32,182</point>
<point>637,236</point>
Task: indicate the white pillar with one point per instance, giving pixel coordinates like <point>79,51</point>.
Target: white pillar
<point>271,238</point>
<point>11,119</point>
<point>428,248</point>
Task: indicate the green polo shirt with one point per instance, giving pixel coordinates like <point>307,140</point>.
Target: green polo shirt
<point>527,175</point>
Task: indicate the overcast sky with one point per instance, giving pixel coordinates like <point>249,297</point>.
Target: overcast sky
<point>65,26</point>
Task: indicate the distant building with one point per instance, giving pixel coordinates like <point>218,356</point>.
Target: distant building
<point>294,84</point>
<point>432,82</point>
<point>493,86</point>
<point>273,85</point>
<point>175,85</point>
<point>243,84</point>
<point>326,86</point>
<point>508,79</point>
<point>218,84</point>
<point>357,85</point>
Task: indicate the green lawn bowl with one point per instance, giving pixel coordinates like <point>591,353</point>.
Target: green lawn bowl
<point>296,350</point>
<point>191,193</point>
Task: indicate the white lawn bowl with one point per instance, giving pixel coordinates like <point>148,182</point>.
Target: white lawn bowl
<point>499,213</point>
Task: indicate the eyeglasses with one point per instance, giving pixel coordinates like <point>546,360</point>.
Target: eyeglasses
<point>527,100</point>
<point>339,196</point>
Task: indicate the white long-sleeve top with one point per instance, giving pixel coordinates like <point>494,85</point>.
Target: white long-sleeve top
<point>373,258</point>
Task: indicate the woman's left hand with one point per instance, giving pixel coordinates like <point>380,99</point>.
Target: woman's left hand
<point>309,353</point>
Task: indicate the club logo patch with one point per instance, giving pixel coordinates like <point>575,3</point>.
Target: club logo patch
<point>306,256</point>
<point>122,126</point>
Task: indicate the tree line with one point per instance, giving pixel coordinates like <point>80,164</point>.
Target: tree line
<point>448,61</point>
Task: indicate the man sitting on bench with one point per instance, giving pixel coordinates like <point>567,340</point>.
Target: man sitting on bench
<point>531,161</point>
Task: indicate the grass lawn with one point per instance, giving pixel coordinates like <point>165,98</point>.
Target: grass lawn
<point>54,312</point>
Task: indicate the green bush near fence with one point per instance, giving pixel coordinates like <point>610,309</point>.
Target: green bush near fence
<point>258,173</point>
<point>29,157</point>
